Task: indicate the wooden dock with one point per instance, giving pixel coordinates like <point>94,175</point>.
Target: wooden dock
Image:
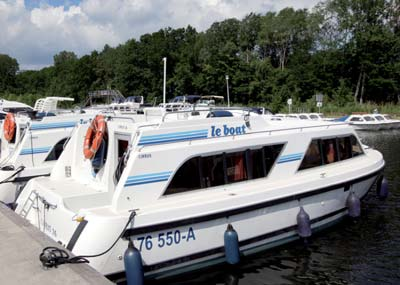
<point>20,246</point>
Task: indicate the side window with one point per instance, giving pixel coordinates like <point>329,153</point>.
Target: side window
<point>355,146</point>
<point>56,151</point>
<point>256,163</point>
<point>213,170</point>
<point>312,158</point>
<point>186,178</point>
<point>220,169</point>
<point>344,146</point>
<point>329,151</point>
<point>236,167</point>
<point>271,153</point>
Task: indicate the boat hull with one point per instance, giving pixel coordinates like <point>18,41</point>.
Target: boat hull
<point>193,242</point>
<point>258,229</point>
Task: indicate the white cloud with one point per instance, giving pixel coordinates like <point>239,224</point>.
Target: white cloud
<point>34,36</point>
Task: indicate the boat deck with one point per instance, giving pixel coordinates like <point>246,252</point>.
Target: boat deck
<point>20,246</point>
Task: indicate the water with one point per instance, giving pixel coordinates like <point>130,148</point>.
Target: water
<point>363,252</point>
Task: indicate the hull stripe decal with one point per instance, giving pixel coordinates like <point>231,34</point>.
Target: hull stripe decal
<point>35,150</point>
<point>53,126</point>
<point>290,157</point>
<point>173,137</point>
<point>147,178</point>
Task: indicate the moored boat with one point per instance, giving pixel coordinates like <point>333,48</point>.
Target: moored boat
<point>30,145</point>
<point>370,122</point>
<point>387,121</point>
<point>186,181</point>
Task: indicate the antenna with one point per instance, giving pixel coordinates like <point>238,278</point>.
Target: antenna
<point>165,80</point>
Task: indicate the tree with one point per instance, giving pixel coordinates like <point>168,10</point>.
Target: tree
<point>8,69</point>
<point>366,32</point>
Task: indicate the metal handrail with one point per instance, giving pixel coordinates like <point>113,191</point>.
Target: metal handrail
<point>122,118</point>
<point>210,109</point>
<point>266,131</point>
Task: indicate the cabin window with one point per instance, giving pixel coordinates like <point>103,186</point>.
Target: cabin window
<point>356,119</point>
<point>344,146</point>
<point>213,170</point>
<point>314,117</point>
<point>225,168</point>
<point>313,157</point>
<point>379,118</point>
<point>56,151</point>
<point>368,118</point>
<point>186,178</point>
<point>271,153</point>
<point>332,150</point>
<point>329,151</point>
<point>236,167</point>
<point>303,117</point>
<point>256,163</point>
<point>356,148</point>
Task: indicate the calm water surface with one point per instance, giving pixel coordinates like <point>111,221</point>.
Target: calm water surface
<point>363,252</point>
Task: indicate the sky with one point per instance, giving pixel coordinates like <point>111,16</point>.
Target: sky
<point>33,31</point>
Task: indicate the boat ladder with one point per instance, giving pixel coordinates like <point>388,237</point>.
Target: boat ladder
<point>28,204</point>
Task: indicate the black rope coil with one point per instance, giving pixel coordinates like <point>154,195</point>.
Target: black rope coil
<point>53,256</point>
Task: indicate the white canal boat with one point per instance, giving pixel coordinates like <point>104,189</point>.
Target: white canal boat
<point>371,122</point>
<point>173,187</point>
<point>30,148</point>
<point>387,121</point>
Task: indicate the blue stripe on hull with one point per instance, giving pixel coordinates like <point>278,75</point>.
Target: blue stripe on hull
<point>53,126</point>
<point>147,178</point>
<point>290,157</point>
<point>173,137</point>
<point>26,151</point>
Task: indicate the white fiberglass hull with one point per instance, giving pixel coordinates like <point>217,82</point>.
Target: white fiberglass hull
<point>367,127</point>
<point>14,180</point>
<point>192,236</point>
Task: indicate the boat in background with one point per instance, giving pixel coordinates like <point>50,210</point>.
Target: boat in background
<point>302,116</point>
<point>32,142</point>
<point>370,122</point>
<point>210,101</point>
<point>7,106</point>
<point>387,121</point>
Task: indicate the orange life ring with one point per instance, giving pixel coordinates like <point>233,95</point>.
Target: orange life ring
<point>9,127</point>
<point>94,136</point>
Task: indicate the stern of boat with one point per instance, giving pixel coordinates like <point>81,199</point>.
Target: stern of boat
<point>82,231</point>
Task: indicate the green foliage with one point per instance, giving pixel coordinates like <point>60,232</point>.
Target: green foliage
<point>8,70</point>
<point>348,50</point>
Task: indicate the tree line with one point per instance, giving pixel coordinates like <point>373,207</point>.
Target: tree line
<point>348,50</point>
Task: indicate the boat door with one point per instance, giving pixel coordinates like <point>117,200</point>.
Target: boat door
<point>122,144</point>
